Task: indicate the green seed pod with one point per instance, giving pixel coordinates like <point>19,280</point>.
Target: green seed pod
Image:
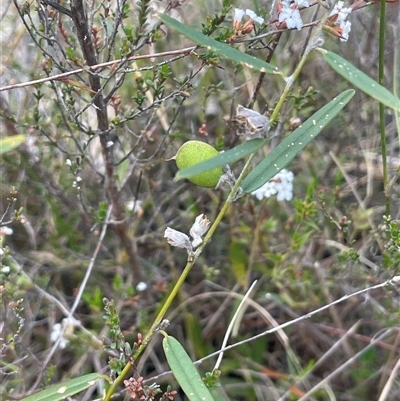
<point>195,152</point>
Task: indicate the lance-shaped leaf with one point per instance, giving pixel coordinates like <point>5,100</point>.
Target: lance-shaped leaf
<point>184,371</point>
<point>230,156</point>
<point>294,143</point>
<point>11,142</point>
<point>361,80</point>
<point>220,48</point>
<point>66,389</point>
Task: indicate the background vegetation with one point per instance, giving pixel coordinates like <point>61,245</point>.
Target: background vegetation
<point>90,193</point>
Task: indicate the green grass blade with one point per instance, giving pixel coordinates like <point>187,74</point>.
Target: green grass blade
<point>361,80</point>
<point>294,143</point>
<point>184,371</point>
<point>65,389</point>
<point>220,48</point>
<point>11,142</point>
<point>230,156</point>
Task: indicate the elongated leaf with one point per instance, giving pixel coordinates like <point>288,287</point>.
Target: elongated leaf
<point>184,371</point>
<point>65,389</point>
<point>230,156</point>
<point>221,49</point>
<point>11,142</point>
<point>294,143</point>
<point>361,81</point>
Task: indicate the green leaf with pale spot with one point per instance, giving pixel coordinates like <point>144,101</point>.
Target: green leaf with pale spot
<point>361,80</point>
<point>220,48</point>
<point>65,389</point>
<point>11,142</point>
<point>294,143</point>
<point>184,371</point>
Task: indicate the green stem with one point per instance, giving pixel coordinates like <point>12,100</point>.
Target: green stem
<point>155,326</point>
<point>382,26</point>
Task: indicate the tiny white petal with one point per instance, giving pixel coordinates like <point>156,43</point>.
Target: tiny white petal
<point>6,230</point>
<point>142,286</point>
<point>109,144</point>
<point>238,14</point>
<point>78,179</point>
<point>302,3</point>
<point>68,162</point>
<point>252,15</point>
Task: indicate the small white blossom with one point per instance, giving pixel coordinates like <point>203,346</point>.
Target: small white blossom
<point>109,144</point>
<point>63,330</point>
<point>238,14</point>
<point>142,286</point>
<point>68,162</point>
<point>291,16</point>
<point>302,3</point>
<point>252,15</point>
<point>5,269</point>
<point>346,27</point>
<point>178,239</point>
<point>78,179</point>
<point>198,229</point>
<point>1,251</point>
<point>5,231</point>
<point>281,186</point>
<point>341,11</point>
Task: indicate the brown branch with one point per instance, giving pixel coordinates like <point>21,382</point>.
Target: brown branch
<point>84,36</point>
<point>93,68</point>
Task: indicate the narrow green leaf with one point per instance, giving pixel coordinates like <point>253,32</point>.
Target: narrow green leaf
<point>361,80</point>
<point>11,142</point>
<point>294,143</point>
<point>220,48</point>
<point>184,371</point>
<point>230,156</point>
<point>65,389</point>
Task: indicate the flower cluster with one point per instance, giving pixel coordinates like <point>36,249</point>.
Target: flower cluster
<point>181,240</point>
<point>289,14</point>
<point>281,186</point>
<point>337,21</point>
<point>240,29</point>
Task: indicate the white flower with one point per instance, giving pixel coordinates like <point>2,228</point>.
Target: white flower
<point>252,15</point>
<point>198,229</point>
<point>63,330</point>
<point>341,11</point>
<point>142,286</point>
<point>281,186</point>
<point>302,3</point>
<point>5,231</point>
<point>68,162</point>
<point>109,144</point>
<point>1,251</point>
<point>238,14</point>
<point>346,26</point>
<point>290,16</point>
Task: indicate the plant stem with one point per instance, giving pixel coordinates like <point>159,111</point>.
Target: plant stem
<point>382,26</point>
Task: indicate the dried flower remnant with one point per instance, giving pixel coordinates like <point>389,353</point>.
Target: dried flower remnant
<point>199,228</point>
<point>250,123</point>
<point>197,231</point>
<point>178,239</point>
